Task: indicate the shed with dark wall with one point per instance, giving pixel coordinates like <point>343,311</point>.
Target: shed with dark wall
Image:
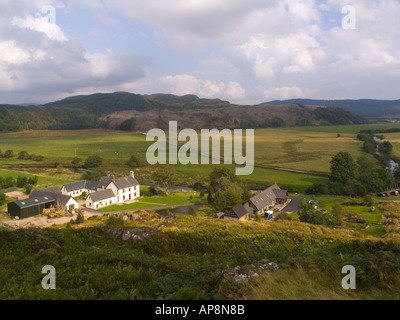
<point>30,207</point>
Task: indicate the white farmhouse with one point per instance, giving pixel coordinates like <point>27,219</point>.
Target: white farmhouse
<point>117,191</point>
<point>125,189</point>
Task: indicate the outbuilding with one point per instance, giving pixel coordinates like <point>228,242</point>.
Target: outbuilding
<point>30,207</point>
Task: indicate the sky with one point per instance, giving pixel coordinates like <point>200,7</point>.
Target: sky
<point>245,52</point>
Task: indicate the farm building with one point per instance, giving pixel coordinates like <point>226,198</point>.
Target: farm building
<point>267,199</point>
<point>101,199</point>
<point>76,189</point>
<point>239,213</point>
<point>62,202</point>
<point>30,207</point>
<point>116,191</point>
<point>125,188</point>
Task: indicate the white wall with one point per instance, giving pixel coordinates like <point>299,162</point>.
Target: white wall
<point>100,204</point>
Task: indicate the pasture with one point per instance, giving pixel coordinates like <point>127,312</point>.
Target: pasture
<point>274,148</point>
<point>302,150</point>
<point>352,129</point>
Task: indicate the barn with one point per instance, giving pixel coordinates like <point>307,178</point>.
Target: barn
<point>30,207</point>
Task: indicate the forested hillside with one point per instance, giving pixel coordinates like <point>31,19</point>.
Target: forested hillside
<point>374,109</point>
<point>121,110</point>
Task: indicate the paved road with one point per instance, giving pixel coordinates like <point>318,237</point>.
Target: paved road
<point>294,205</point>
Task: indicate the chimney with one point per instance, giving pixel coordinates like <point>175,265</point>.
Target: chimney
<point>133,174</point>
<point>113,178</point>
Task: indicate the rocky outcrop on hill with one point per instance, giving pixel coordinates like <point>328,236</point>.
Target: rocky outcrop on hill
<point>137,234</point>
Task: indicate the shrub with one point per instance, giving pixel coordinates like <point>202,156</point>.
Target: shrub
<point>283,216</point>
<point>114,222</point>
<point>80,218</point>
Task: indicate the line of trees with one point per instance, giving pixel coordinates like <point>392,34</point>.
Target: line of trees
<point>21,182</point>
<point>355,178</point>
<point>23,155</point>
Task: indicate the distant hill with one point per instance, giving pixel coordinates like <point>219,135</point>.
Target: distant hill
<point>132,112</point>
<point>373,109</point>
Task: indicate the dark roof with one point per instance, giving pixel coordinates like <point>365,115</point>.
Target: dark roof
<point>105,182</point>
<point>41,192</point>
<point>263,199</point>
<point>237,212</point>
<point>34,201</point>
<point>54,192</point>
<point>92,185</point>
<point>280,194</point>
<point>84,184</point>
<point>101,195</point>
<point>123,183</point>
<point>79,185</point>
<point>268,196</point>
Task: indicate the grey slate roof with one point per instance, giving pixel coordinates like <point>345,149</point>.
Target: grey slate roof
<point>79,185</point>
<point>263,199</point>
<point>280,194</point>
<point>101,195</point>
<point>34,201</point>
<point>237,212</point>
<point>53,192</point>
<point>42,192</point>
<point>127,182</point>
<point>105,182</point>
<point>92,185</point>
<point>268,196</point>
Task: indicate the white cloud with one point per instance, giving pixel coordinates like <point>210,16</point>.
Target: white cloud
<point>223,48</point>
<point>38,61</point>
<point>187,84</point>
<point>51,30</point>
<point>285,93</point>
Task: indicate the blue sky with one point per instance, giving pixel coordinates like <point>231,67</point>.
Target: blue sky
<point>245,52</point>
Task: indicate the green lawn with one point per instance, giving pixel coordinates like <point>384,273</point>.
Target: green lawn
<point>144,202</point>
<point>372,218</point>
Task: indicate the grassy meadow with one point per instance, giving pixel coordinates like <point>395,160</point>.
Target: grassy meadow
<point>306,148</point>
<point>302,150</point>
<point>116,148</point>
<point>352,129</point>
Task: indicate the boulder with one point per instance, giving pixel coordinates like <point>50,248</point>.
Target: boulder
<point>137,234</point>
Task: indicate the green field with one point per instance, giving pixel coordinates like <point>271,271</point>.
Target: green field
<point>145,202</point>
<point>46,178</point>
<point>302,150</point>
<point>116,148</point>
<point>348,129</point>
<point>308,149</point>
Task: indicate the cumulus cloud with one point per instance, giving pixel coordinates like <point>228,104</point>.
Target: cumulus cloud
<point>285,93</point>
<point>187,84</point>
<point>230,49</point>
<point>39,62</point>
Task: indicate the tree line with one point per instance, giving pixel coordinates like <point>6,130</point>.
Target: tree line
<point>23,155</point>
<point>355,177</point>
<point>25,182</point>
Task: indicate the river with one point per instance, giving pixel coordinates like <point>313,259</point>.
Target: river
<point>392,164</point>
